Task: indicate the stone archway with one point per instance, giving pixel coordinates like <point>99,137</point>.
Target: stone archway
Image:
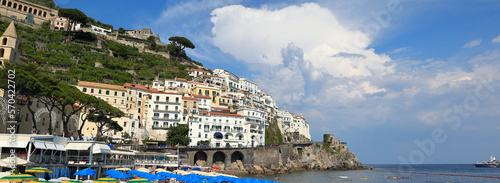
<point>237,155</point>
<point>200,158</point>
<point>219,159</point>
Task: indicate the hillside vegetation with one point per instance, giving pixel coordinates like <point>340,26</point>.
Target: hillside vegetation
<point>88,57</point>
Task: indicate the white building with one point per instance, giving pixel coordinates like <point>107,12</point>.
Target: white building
<point>248,85</point>
<point>99,30</point>
<point>232,81</point>
<point>254,126</point>
<point>165,111</point>
<point>197,72</point>
<point>221,129</point>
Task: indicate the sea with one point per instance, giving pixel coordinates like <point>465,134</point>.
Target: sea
<point>451,173</point>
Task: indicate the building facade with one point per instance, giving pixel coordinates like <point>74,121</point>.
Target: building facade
<point>26,11</point>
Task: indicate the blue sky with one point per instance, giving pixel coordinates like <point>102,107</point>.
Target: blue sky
<point>400,81</point>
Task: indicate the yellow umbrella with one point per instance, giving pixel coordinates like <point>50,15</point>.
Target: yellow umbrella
<point>18,178</point>
<point>106,180</point>
<point>39,170</point>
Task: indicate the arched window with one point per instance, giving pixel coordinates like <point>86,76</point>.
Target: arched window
<point>4,2</point>
<point>30,10</point>
<point>15,6</point>
<point>39,13</point>
<point>25,8</point>
<point>4,41</point>
<point>20,8</point>
<point>35,11</point>
<point>1,52</point>
<point>9,4</point>
<point>44,14</point>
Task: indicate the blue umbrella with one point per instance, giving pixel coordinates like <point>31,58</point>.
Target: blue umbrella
<point>62,172</point>
<point>86,171</point>
<point>196,168</point>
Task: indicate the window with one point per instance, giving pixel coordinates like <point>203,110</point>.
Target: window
<point>107,92</point>
<point>124,124</point>
<point>114,101</point>
<point>176,99</point>
<point>157,98</point>
<point>140,95</point>
<point>156,106</point>
<point>176,108</point>
<point>84,89</point>
<point>139,102</point>
<point>123,101</point>
<point>92,90</point>
<point>107,99</point>
<point>199,127</point>
<point>175,116</point>
<point>206,136</point>
<point>168,99</point>
<point>207,93</point>
<point>116,93</point>
<point>199,92</point>
<point>4,41</point>
<point>100,91</point>
<point>133,124</point>
<point>123,94</point>
<point>199,134</point>
<point>139,110</point>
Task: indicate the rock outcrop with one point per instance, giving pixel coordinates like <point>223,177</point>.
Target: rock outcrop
<point>322,156</point>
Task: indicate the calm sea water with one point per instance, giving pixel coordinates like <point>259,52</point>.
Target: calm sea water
<point>419,173</point>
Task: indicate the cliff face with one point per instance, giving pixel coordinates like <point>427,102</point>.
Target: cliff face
<point>322,156</point>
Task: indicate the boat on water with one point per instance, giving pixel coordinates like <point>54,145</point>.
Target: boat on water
<point>492,163</point>
<point>344,177</point>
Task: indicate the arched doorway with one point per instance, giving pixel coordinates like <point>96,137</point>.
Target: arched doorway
<point>219,156</point>
<point>237,155</point>
<point>202,156</point>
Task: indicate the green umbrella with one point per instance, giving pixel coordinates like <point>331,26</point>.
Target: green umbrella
<point>106,180</point>
<point>18,178</point>
<point>139,181</point>
<point>71,181</point>
<point>39,170</point>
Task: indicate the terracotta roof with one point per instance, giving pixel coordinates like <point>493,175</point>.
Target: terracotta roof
<point>222,108</point>
<point>181,79</point>
<point>200,70</point>
<point>190,98</point>
<point>225,114</point>
<point>10,31</point>
<point>101,85</point>
<point>201,96</point>
<point>211,76</point>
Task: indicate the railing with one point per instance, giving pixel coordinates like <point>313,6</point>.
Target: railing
<point>167,110</point>
<point>160,127</point>
<point>170,119</point>
<point>165,102</point>
<point>156,162</point>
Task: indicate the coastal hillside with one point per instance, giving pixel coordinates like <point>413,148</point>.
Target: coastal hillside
<point>88,57</point>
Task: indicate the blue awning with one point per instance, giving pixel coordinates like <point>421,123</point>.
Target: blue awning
<point>218,134</point>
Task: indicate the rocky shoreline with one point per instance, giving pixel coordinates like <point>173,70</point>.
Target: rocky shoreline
<point>318,156</point>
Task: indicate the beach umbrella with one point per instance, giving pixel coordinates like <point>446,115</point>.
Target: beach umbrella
<point>106,180</point>
<point>139,181</point>
<point>71,181</point>
<point>160,170</point>
<point>39,170</point>
<point>55,180</point>
<point>215,168</point>
<point>40,181</point>
<point>86,171</point>
<point>122,169</point>
<point>143,170</point>
<point>63,178</point>
<point>18,178</point>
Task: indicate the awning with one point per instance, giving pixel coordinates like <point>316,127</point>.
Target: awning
<point>15,144</point>
<point>121,152</point>
<point>78,146</point>
<point>60,147</point>
<point>50,145</point>
<point>39,145</point>
<point>101,149</point>
<point>254,118</point>
<point>218,134</point>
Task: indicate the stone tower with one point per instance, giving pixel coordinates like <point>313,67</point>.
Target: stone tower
<point>8,45</point>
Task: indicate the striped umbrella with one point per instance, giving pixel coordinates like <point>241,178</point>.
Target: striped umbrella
<point>71,181</point>
<point>40,181</point>
<point>18,178</point>
<point>106,180</point>
<point>39,170</point>
<point>139,181</point>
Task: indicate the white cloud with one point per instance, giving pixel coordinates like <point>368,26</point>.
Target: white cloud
<point>496,40</point>
<point>259,35</point>
<point>473,43</point>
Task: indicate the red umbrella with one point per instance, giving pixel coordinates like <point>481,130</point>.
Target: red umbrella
<point>215,168</point>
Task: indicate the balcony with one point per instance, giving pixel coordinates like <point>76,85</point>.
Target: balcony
<point>160,127</point>
<point>167,110</point>
<point>206,130</point>
<point>164,118</point>
<point>165,102</point>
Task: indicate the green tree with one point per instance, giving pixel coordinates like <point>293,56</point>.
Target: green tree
<point>101,113</point>
<point>74,16</point>
<point>177,46</point>
<point>121,30</point>
<point>26,85</point>
<point>178,135</point>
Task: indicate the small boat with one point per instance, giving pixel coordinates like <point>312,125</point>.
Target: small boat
<point>364,178</point>
<point>344,177</point>
<point>492,163</point>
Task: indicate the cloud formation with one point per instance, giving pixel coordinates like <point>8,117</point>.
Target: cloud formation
<point>473,43</point>
<point>496,40</point>
<point>262,33</point>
